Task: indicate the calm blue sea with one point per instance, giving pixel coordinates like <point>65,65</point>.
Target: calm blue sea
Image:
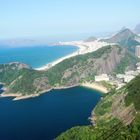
<point>34,56</point>
<point>46,116</point>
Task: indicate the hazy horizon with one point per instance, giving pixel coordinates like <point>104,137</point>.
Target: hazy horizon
<point>63,20</point>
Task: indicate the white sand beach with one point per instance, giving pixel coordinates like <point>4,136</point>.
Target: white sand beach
<point>95,86</point>
<point>84,47</point>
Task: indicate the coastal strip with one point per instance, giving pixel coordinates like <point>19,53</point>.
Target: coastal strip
<point>83,48</point>
<point>51,64</point>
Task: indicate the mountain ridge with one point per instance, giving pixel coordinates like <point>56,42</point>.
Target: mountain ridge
<point>125,38</point>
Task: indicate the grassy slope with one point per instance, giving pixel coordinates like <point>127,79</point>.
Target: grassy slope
<point>133,95</point>
<point>18,80</point>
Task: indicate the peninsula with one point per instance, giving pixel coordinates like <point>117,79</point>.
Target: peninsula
<point>95,61</point>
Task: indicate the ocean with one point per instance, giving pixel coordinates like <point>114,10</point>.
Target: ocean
<point>34,56</point>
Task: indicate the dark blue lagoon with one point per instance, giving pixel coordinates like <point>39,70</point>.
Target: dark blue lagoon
<point>36,56</point>
<point>46,116</point>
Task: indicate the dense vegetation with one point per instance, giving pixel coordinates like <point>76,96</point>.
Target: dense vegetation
<point>22,84</point>
<point>18,79</point>
<point>133,96</point>
<point>130,44</point>
<point>117,132</point>
<point>126,62</point>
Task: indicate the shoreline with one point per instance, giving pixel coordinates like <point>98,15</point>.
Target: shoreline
<point>95,86</point>
<point>83,48</point>
<point>55,62</point>
<point>19,96</point>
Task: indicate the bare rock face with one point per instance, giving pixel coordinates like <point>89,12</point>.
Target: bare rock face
<point>108,64</point>
<point>120,111</point>
<point>13,66</point>
<point>19,65</point>
<point>41,84</point>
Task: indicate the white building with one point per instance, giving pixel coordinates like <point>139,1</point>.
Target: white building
<point>138,64</point>
<point>102,77</point>
<point>120,85</point>
<point>138,68</point>
<point>120,76</point>
<point>128,78</point>
<point>130,72</point>
<point>137,51</point>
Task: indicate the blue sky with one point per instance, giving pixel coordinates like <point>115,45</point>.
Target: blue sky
<point>65,18</point>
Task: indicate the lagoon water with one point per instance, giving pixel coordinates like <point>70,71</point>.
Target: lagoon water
<point>34,56</point>
<point>46,116</point>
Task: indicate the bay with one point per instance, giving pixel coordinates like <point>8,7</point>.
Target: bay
<point>36,56</point>
<point>46,116</point>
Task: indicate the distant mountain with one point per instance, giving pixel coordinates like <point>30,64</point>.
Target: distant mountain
<point>90,39</point>
<point>124,34</point>
<point>125,38</point>
<point>137,29</point>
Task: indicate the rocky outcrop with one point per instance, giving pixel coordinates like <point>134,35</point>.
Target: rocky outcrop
<point>108,63</point>
<point>19,65</point>
<point>120,111</point>
<point>41,84</point>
